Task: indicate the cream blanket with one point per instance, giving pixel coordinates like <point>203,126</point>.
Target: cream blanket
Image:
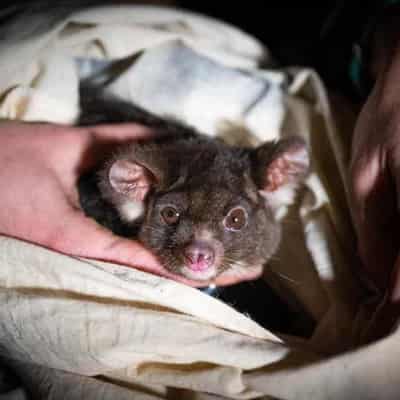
<point>78,328</point>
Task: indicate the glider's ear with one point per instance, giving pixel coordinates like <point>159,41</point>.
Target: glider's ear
<point>130,179</point>
<point>125,184</point>
<point>130,175</point>
<point>278,169</point>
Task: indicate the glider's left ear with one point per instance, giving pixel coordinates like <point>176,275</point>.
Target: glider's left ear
<point>278,169</point>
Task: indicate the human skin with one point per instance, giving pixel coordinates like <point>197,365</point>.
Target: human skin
<point>375,177</point>
<point>39,167</point>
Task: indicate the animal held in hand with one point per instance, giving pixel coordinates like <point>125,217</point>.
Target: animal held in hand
<point>203,207</point>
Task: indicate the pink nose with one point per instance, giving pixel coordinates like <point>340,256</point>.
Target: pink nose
<point>199,256</point>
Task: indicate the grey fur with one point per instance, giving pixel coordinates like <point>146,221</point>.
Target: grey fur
<point>203,178</point>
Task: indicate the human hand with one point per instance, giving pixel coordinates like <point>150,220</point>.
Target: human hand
<point>39,167</point>
<point>375,195</point>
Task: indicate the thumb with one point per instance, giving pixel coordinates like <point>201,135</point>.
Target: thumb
<point>83,237</point>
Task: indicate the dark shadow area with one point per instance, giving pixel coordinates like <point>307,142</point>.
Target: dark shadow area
<point>259,301</point>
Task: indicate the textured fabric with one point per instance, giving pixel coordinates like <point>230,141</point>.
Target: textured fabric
<point>95,330</point>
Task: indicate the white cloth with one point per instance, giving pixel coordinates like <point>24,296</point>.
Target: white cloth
<point>140,334</point>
